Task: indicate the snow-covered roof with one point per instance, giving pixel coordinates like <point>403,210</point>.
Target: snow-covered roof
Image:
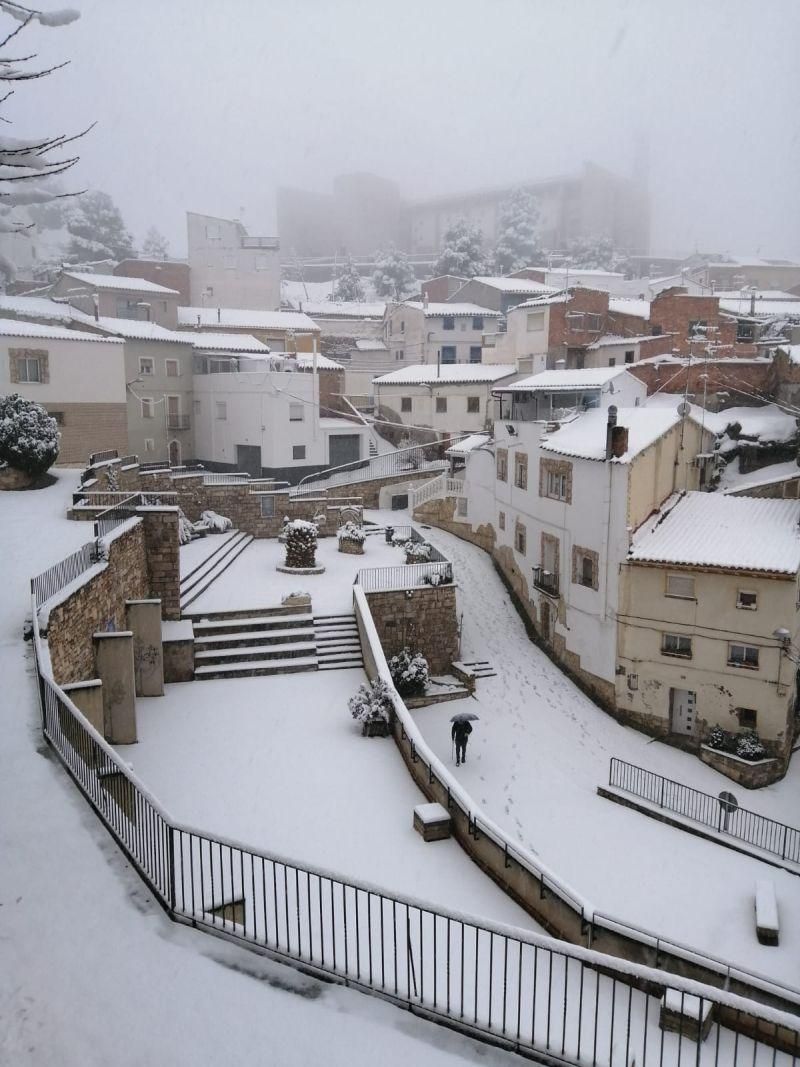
<point>582,272</point>
<point>41,307</point>
<point>306,361</point>
<point>435,310</point>
<point>446,374</point>
<point>514,285</point>
<point>764,309</point>
<point>343,309</point>
<point>585,436</point>
<point>245,319</point>
<point>766,423</point>
<point>137,330</point>
<point>18,328</point>
<point>744,295</point>
<point>792,351</point>
<point>370,344</point>
<point>114,281</point>
<point>616,339</point>
<point>627,305</point>
<point>716,530</point>
<point>542,301</point>
<point>468,444</point>
<point>227,342</point>
<point>549,380</point>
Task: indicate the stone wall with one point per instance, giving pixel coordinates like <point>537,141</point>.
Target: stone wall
<point>423,619</point>
<point>441,513</point>
<point>750,775</point>
<point>87,428</point>
<point>97,605</point>
<point>162,550</point>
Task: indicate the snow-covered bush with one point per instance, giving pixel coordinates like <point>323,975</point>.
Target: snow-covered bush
<point>372,706</point>
<point>399,540</point>
<point>112,477</point>
<point>301,543</point>
<point>351,531</point>
<point>217,523</point>
<point>749,746</point>
<point>185,528</point>
<point>436,578</point>
<point>418,552</point>
<point>28,435</point>
<point>409,671</point>
<point>721,740</point>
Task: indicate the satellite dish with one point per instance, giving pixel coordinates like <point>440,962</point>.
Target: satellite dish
<point>684,408</point>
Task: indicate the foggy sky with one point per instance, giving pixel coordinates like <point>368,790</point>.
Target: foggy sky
<point>209,107</point>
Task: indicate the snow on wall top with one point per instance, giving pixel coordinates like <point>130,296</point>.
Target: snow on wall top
<point>18,328</point>
<point>514,285</point>
<point>305,360</point>
<point>227,342</point>
<point>765,422</point>
<point>447,373</point>
<point>245,319</point>
<point>792,351</point>
<point>626,305</point>
<point>543,301</point>
<point>370,344</point>
<point>469,444</point>
<point>585,436</point>
<point>42,307</point>
<point>138,330</point>
<point>343,309</point>
<point>433,310</point>
<point>588,378</point>
<point>732,532</point>
<point>617,339</point>
<point>770,309</point>
<point>114,281</point>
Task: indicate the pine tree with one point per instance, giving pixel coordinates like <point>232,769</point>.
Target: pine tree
<point>155,245</point>
<point>462,251</point>
<point>518,235</point>
<point>348,282</point>
<point>394,276</point>
<point>29,437</point>
<point>597,253</point>
<point>98,230</point>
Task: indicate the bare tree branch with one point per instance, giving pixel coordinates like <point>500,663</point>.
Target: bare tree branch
<point>19,29</point>
<point>23,76</point>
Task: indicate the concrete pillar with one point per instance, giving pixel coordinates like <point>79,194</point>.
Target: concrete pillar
<point>144,621</point>
<point>113,656</point>
<point>88,698</point>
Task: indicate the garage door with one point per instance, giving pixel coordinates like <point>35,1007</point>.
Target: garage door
<point>344,448</point>
<point>248,459</point>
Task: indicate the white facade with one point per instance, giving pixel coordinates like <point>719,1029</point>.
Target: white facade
<point>430,333</point>
<point>228,267</point>
<point>81,368</point>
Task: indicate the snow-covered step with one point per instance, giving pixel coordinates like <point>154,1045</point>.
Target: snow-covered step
<point>244,623</point>
<point>212,561</point>
<point>254,668</point>
<point>190,593</point>
<point>224,544</point>
<point>241,639</point>
<point>256,652</point>
<point>479,668</point>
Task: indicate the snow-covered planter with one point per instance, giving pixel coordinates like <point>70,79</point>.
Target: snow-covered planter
<point>436,578</point>
<point>301,544</point>
<point>29,437</point>
<point>372,707</point>
<point>418,552</point>
<point>216,523</point>
<point>409,671</point>
<point>351,538</point>
<point>399,539</point>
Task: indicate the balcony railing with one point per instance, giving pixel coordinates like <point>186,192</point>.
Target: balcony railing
<point>546,581</point>
<point>177,422</point>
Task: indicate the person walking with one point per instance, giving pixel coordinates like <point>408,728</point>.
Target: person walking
<point>460,734</point>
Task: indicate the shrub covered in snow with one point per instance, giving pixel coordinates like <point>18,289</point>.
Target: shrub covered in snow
<point>185,528</point>
<point>301,543</point>
<point>718,739</point>
<point>409,671</point>
<point>217,523</point>
<point>749,746</point>
<point>371,704</point>
<point>351,531</point>
<point>435,579</point>
<point>399,540</point>
<point>28,435</point>
<point>418,552</point>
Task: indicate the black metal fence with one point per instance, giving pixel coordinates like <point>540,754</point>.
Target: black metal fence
<point>101,457</point>
<point>774,837</point>
<point>55,578</point>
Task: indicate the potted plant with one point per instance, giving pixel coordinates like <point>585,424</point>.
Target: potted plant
<point>372,707</point>
<point>351,538</point>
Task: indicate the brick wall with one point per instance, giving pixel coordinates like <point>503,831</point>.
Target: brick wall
<point>426,621</point>
<point>563,330</point>
<point>89,428</point>
<point>723,376</point>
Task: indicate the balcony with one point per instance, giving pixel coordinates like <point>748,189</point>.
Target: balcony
<point>178,422</point>
<point>545,581</point>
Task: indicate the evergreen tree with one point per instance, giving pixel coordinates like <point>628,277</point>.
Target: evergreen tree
<point>518,236</point>
<point>97,230</point>
<point>348,282</point>
<point>462,251</point>
<point>597,253</point>
<point>394,276</point>
<point>28,435</point>
<point>155,246</point>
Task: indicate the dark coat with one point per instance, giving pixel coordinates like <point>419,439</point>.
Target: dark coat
<point>461,731</point>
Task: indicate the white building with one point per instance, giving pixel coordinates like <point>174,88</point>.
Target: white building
<point>423,332</point>
<point>229,268</point>
<point>283,331</point>
<point>114,296</point>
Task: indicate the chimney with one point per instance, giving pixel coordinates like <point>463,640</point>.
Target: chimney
<point>610,427</point>
<point>619,441</point>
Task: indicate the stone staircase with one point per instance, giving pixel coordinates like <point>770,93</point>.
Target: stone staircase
<point>206,573</point>
<point>373,449</point>
<point>338,644</point>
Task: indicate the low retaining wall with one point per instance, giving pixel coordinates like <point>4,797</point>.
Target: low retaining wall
<point>751,775</point>
<point>422,619</point>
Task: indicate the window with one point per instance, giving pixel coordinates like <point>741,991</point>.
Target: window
<point>441,405</point>
<point>461,506</point>
<point>147,407</point>
<point>680,585</point>
<point>535,321</point>
<point>448,353</point>
<point>402,326</point>
<point>405,403</point>
<point>298,451</point>
<point>58,416</point>
<point>448,322</point>
<point>556,486</point>
<point>585,565</point>
<point>197,407</point>
<point>745,332</point>
<point>612,362</point>
<point>398,354</point>
<point>262,262</point>
<point>748,717</point>
<point>149,444</point>
<point>521,470</point>
<point>146,366</point>
<point>629,356</point>
<point>502,465</point>
<point>29,369</point>
<point>173,368</point>
<point>655,331</point>
<point>473,405</point>
<point>477,322</point>
<point>501,520</point>
<point>229,262</point>
<point>748,601</point>
<point>743,656</point>
<point>697,326</point>
<point>555,479</point>
<point>676,645</point>
<point>520,538</point>
<point>222,409</point>
<point>213,232</point>
<point>296,413</point>
<point>475,353</point>
<point>391,327</point>
<point>267,507</point>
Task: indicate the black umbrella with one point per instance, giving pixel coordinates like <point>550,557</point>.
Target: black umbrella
<point>464,716</point>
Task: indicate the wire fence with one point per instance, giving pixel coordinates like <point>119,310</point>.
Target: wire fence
<point>774,837</point>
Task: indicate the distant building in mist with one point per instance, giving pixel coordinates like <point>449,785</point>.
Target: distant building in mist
<point>229,268</point>
<point>364,212</point>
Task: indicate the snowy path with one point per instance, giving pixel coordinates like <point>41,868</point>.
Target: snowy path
<point>536,757</point>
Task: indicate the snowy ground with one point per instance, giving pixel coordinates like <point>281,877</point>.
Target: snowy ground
<point>92,972</point>
<point>536,757</point>
<point>732,478</point>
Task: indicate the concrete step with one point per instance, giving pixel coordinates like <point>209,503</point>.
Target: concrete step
<point>254,637</point>
<point>213,563</point>
<point>255,668</point>
<point>243,624</point>
<point>206,564</point>
<point>256,652</point>
<point>190,594</point>
<point>345,663</point>
<point>199,617</point>
<point>337,639</point>
<point>350,647</point>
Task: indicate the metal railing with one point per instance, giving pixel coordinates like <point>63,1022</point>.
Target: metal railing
<point>112,517</point>
<point>508,986</point>
<point>55,578</point>
<point>128,461</point>
<point>406,576</point>
<point>226,477</point>
<point>747,826</point>
<point>546,581</point>
<point>102,457</point>
<point>103,499</point>
<point>430,490</point>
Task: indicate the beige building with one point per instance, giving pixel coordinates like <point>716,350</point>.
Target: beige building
<point>110,296</point>
<point>229,268</point>
<point>281,331</point>
<point>426,332</point>
<point>708,619</point>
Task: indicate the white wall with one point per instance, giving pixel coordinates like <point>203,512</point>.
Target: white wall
<point>81,372</point>
<point>423,405</point>
<point>240,277</point>
<point>422,337</point>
